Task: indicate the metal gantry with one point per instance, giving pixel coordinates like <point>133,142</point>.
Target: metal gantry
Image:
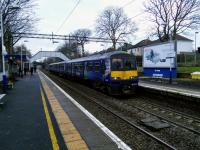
<point>62,37</point>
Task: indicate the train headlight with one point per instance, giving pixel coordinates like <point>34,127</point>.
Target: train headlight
<point>134,78</point>
<point>116,78</point>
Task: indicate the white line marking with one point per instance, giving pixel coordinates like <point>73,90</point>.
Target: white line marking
<point>114,138</point>
<point>172,90</point>
<point>2,95</point>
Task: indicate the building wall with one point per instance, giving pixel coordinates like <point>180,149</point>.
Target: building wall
<point>184,46</point>
<point>136,51</point>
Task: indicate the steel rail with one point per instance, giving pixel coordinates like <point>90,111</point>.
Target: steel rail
<point>164,118</point>
<point>120,117</point>
<point>197,119</point>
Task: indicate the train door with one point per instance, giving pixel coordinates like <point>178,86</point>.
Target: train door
<point>85,70</point>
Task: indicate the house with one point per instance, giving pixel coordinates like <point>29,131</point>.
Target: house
<point>138,48</point>
<point>183,45</point>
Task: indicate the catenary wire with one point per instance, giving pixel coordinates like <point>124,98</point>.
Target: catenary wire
<point>68,16</point>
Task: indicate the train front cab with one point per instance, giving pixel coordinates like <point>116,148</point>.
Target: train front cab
<point>124,75</point>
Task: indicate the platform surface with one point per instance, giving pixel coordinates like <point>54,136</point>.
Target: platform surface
<point>175,87</point>
<point>22,119</point>
<point>38,115</point>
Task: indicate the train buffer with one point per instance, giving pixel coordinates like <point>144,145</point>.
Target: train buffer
<point>40,115</point>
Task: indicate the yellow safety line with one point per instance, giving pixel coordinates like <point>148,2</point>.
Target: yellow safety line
<point>49,123</point>
<point>71,136</point>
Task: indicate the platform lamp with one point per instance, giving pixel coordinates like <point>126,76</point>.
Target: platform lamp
<point>2,45</point>
<point>195,49</point>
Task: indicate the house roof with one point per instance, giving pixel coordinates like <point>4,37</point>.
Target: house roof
<point>142,43</point>
<point>182,38</point>
<point>178,37</point>
<point>149,42</point>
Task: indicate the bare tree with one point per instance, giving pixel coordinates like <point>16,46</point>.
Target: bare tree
<point>25,51</point>
<point>81,36</point>
<point>174,16</point>
<point>18,17</point>
<point>114,24</point>
<point>70,49</point>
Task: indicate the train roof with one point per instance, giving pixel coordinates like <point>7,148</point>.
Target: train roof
<point>92,57</point>
<point>97,56</point>
<point>61,62</point>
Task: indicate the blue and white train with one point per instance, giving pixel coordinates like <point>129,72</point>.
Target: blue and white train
<point>115,71</point>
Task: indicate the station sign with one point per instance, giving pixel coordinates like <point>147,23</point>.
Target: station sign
<point>15,57</point>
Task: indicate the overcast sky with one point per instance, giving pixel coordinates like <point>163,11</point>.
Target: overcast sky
<point>52,14</point>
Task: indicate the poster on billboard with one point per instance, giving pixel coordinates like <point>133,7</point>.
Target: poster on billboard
<point>159,56</point>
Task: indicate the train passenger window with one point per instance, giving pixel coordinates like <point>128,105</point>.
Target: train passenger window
<point>80,67</point>
<point>97,66</point>
<point>103,68</point>
<point>75,66</point>
<point>90,66</point>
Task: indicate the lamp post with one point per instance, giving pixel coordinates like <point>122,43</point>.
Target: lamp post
<point>195,56</point>
<point>2,45</point>
<point>22,56</point>
<point>170,67</point>
<point>2,41</point>
<point>4,79</point>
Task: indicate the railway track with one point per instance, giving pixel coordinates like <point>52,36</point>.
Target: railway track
<point>170,116</point>
<point>177,116</point>
<point>154,106</point>
<point>114,113</point>
<point>144,109</point>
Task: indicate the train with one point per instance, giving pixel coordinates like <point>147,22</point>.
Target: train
<point>116,72</point>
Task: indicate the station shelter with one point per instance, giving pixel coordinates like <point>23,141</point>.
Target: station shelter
<point>15,61</point>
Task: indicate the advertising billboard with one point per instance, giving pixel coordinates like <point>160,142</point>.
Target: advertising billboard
<point>159,56</point>
<point>160,60</point>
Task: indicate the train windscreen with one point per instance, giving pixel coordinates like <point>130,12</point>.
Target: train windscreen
<point>123,63</point>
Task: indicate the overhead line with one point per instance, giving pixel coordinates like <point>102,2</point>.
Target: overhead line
<point>61,37</point>
<point>68,15</point>
<point>127,4</point>
<point>137,15</point>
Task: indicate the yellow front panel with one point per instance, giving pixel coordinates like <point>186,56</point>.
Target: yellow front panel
<point>124,75</point>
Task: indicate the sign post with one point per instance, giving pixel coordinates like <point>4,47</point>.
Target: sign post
<point>170,68</point>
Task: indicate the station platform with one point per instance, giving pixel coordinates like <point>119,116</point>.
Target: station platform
<point>190,88</point>
<point>38,114</point>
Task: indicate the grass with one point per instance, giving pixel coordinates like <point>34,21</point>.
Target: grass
<point>188,69</point>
